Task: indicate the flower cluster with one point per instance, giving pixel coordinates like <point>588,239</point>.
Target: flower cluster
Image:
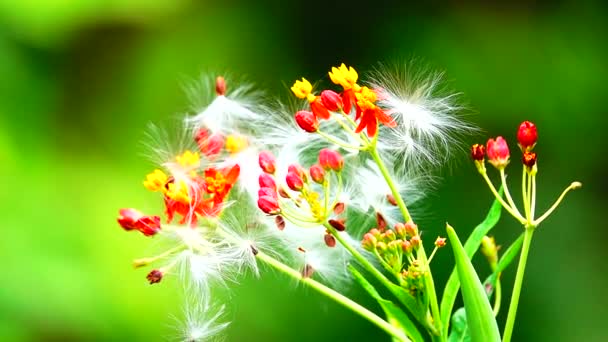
<point>240,196</point>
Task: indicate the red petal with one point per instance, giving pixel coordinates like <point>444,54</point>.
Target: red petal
<point>320,111</point>
<point>384,118</point>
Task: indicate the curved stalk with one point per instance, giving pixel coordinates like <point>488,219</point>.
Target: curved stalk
<point>519,277</point>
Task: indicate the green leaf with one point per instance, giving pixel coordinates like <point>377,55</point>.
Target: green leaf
<point>460,329</point>
<point>394,314</point>
<point>471,246</point>
<point>480,317</point>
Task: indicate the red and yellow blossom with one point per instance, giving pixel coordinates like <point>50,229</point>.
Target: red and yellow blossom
<point>303,90</point>
<point>347,78</point>
<point>369,113</point>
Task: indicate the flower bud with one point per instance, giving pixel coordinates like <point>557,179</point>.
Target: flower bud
<point>131,219</point>
<point>266,181</point>
<point>267,192</point>
<point>440,242</point>
<point>406,246</point>
<point>298,170</point>
<point>375,232</point>
<point>269,205</point>
<point>489,249</point>
<point>267,162</point>
<point>331,100</point>
<point>338,224</point>
<point>317,174</point>
<point>415,241</point>
<point>331,160</point>
<point>155,276</point>
<point>498,152</point>
<point>330,240</point>
<point>369,242</point>
<point>529,159</point>
<point>390,235</point>
<point>209,144</point>
<point>527,135</point>
<point>283,193</point>
<point>411,229</point>
<point>294,182</point>
<point>400,230</point>
<point>220,86</point>
<point>478,152</point>
<point>307,121</point>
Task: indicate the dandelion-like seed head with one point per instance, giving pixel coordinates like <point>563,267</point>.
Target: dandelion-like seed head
<point>429,127</point>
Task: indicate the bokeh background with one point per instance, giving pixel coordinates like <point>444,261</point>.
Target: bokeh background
<point>80,81</point>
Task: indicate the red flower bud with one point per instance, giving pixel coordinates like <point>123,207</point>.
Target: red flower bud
<point>331,160</point>
<point>298,170</point>
<point>330,240</point>
<point>527,135</point>
<point>411,229</point>
<point>498,152</point>
<point>131,219</point>
<point>267,162</point>
<point>529,159</point>
<point>209,145</point>
<point>478,152</point>
<point>391,199</point>
<point>267,192</point>
<point>440,242</point>
<point>220,86</point>
<point>269,205</point>
<point>294,181</point>
<point>406,246</point>
<point>155,276</point>
<point>266,181</point>
<point>331,100</point>
<point>307,121</point>
<point>369,242</point>
<point>415,241</point>
<point>317,174</point>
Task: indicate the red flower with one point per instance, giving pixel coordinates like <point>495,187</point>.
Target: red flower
<point>331,100</point>
<point>131,219</point>
<point>348,99</point>
<point>318,109</point>
<point>269,204</point>
<point>498,152</point>
<point>527,135</point>
<point>219,182</point>
<point>369,113</point>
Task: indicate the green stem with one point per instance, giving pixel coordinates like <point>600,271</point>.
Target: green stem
<point>574,185</point>
<point>519,277</point>
<point>330,293</point>
<point>391,184</point>
<point>334,295</point>
<point>503,178</point>
<point>533,205</point>
<point>499,198</point>
<point>497,295</point>
<point>340,143</point>
<point>524,192</point>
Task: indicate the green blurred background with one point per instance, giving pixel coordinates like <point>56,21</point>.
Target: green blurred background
<point>82,79</point>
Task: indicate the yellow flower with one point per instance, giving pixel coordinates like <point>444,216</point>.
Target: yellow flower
<point>303,90</point>
<point>178,192</point>
<point>188,159</point>
<point>236,143</point>
<point>366,98</point>
<point>156,181</point>
<point>346,77</point>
